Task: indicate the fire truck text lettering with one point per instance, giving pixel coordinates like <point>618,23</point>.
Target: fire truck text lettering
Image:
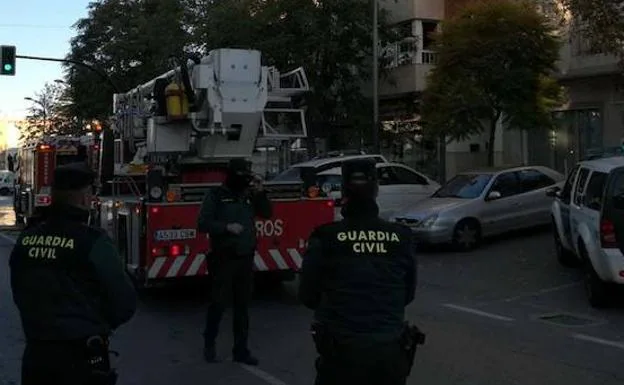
<point>270,228</point>
<point>46,167</point>
<point>49,241</point>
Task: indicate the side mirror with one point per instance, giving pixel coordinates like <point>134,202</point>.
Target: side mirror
<point>494,195</point>
<point>553,192</point>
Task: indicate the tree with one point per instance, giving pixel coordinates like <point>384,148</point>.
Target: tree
<point>49,114</point>
<point>495,64</point>
<point>601,22</point>
<point>130,41</point>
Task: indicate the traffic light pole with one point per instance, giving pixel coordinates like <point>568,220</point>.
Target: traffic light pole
<point>74,62</point>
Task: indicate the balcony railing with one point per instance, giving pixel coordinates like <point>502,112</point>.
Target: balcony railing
<point>406,53</point>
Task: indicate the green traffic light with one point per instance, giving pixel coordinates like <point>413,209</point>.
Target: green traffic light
<point>8,67</point>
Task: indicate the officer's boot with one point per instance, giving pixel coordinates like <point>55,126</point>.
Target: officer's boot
<point>210,352</point>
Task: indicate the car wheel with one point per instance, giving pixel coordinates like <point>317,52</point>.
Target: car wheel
<point>467,235</point>
<point>564,256</point>
<point>597,291</point>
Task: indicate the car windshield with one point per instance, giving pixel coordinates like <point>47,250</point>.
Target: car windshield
<point>465,186</point>
<point>293,174</point>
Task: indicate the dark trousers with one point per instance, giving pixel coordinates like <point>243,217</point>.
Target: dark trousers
<point>56,363</point>
<point>232,284</point>
<point>362,363</point>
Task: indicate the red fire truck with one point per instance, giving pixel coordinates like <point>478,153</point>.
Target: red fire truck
<point>35,167</point>
<point>169,142</point>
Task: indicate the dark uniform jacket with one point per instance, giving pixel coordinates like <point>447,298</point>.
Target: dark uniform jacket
<point>359,274</point>
<point>222,206</point>
<point>68,280</point>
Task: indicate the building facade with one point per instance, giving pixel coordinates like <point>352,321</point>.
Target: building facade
<point>593,117</point>
<point>401,89</point>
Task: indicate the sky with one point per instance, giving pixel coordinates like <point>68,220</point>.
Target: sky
<point>36,28</point>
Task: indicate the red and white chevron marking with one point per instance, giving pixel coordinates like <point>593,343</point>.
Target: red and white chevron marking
<point>190,266</point>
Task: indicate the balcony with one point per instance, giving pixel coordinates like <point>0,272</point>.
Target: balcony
<point>402,10</point>
<point>408,71</point>
<point>578,61</point>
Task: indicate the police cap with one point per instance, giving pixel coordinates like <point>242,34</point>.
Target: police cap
<point>359,172</point>
<point>73,176</point>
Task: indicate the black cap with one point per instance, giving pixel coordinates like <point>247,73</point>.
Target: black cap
<point>359,172</point>
<point>73,176</point>
<point>239,165</point>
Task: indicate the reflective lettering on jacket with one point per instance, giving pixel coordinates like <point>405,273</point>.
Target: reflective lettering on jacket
<point>368,241</point>
<point>46,246</point>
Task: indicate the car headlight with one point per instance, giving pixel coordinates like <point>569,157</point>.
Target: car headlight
<point>428,222</point>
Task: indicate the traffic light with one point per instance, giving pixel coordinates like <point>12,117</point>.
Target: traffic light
<point>7,60</point>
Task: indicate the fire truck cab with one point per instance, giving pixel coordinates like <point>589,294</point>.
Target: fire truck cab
<point>35,168</point>
<point>169,142</point>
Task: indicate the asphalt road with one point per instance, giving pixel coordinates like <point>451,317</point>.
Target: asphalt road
<point>481,312</point>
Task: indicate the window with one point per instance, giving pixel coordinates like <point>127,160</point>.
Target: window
<point>566,192</point>
<point>406,176</point>
<point>335,181</point>
<point>386,176</point>
<point>533,180</point>
<point>466,186</point>
<point>580,184</point>
<point>507,184</point>
<point>594,191</point>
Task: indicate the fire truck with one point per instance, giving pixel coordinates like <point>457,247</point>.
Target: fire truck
<point>169,143</point>
<point>37,159</point>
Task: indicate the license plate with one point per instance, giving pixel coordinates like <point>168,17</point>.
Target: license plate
<point>170,235</point>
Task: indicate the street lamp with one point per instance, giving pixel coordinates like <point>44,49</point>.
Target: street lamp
<point>376,144</point>
<point>43,109</point>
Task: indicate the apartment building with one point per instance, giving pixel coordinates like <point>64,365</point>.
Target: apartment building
<point>400,92</point>
<point>593,117</point>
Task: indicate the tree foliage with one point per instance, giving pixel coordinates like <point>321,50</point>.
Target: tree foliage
<point>50,113</point>
<point>133,40</point>
<point>495,60</point>
<point>601,22</point>
<point>130,41</point>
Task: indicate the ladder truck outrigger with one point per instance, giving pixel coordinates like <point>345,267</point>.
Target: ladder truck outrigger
<point>169,143</point>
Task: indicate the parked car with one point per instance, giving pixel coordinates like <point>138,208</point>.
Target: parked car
<point>482,203</point>
<point>7,182</point>
<point>317,165</point>
<point>588,220</point>
<point>399,186</point>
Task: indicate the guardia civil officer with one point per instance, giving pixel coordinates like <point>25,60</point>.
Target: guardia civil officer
<point>70,288</point>
<point>228,214</point>
<point>358,275</point>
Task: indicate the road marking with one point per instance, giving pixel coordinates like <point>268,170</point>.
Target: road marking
<point>538,292</point>
<point>8,238</point>
<point>261,374</point>
<point>477,312</point>
<point>596,340</point>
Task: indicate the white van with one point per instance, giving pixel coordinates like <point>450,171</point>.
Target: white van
<point>588,219</point>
